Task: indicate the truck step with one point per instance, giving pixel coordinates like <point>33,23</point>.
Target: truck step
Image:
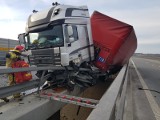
<point>85,102</point>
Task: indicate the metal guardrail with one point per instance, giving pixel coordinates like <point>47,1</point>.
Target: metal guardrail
<point>111,105</point>
<point>9,90</point>
<point>12,70</point>
<point>38,108</point>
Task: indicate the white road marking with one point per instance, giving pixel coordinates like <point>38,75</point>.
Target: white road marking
<point>154,106</point>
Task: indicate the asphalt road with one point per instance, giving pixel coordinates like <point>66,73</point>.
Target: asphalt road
<point>149,69</point>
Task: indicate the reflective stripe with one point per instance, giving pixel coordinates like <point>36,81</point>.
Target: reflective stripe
<point>28,74</point>
<point>5,49</point>
<point>10,60</point>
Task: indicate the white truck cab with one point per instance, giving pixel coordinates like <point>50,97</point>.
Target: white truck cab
<point>59,35</point>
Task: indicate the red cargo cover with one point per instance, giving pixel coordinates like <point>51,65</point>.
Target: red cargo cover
<point>114,40</point>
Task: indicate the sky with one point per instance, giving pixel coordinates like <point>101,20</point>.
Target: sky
<point>143,15</point>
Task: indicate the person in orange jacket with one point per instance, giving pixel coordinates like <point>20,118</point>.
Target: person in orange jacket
<point>11,57</point>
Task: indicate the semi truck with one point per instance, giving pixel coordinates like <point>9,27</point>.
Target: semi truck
<point>89,48</point>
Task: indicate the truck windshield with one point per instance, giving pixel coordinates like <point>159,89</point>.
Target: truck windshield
<point>52,37</point>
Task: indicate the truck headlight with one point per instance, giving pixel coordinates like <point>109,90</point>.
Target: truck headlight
<point>64,59</point>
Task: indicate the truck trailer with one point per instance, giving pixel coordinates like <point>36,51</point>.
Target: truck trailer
<point>87,47</point>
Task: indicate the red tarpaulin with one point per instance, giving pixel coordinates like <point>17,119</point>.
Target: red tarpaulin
<point>114,40</point>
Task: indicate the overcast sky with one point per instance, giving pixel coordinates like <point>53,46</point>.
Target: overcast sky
<point>143,15</point>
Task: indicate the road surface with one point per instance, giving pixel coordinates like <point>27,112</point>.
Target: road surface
<point>144,83</point>
<point>150,72</point>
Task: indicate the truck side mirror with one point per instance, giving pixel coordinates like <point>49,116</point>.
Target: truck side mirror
<point>70,34</point>
<point>21,38</point>
<point>70,31</point>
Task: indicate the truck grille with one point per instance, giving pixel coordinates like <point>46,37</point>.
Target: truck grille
<point>45,57</point>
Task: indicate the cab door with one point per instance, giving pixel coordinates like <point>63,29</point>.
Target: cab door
<point>72,43</point>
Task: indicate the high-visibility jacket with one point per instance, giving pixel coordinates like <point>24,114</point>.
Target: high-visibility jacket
<point>21,76</point>
<point>11,57</point>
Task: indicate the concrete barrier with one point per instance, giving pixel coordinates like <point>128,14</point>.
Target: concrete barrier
<point>111,105</point>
